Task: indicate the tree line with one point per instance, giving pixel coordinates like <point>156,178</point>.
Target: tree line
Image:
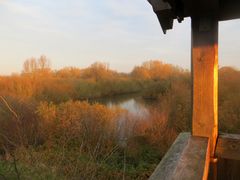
<point>49,130</point>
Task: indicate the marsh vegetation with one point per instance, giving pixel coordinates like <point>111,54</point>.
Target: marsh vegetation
<point>80,123</point>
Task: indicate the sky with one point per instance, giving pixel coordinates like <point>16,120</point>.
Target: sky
<point>123,33</point>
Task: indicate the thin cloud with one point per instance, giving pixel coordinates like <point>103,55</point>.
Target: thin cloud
<point>126,8</point>
<point>21,9</point>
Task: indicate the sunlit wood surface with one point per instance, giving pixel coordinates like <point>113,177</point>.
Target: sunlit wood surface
<point>179,162</point>
<point>205,79</point>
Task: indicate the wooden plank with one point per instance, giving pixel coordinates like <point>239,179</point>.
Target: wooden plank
<point>187,159</point>
<point>205,79</point>
<point>159,5</point>
<point>228,169</point>
<point>228,146</point>
<point>229,9</point>
<point>170,160</point>
<point>200,8</point>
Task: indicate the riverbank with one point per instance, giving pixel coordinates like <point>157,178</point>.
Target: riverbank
<point>77,139</point>
<point>47,133</point>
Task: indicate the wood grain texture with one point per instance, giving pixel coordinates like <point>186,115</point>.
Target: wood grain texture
<point>205,79</point>
<point>187,159</point>
<point>228,169</point>
<point>228,146</point>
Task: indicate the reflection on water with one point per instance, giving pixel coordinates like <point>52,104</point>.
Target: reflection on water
<point>134,104</point>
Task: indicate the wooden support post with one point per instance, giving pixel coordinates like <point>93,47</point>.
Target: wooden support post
<point>205,79</point>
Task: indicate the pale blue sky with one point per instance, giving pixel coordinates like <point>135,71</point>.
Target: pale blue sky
<point>77,33</point>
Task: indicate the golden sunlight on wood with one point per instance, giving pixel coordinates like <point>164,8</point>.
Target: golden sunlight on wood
<point>205,81</point>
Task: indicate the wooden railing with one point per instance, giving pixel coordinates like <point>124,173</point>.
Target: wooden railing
<point>189,159</point>
<point>203,154</point>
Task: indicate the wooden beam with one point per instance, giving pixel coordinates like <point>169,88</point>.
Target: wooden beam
<point>228,169</point>
<point>187,159</point>
<point>228,146</point>
<point>200,8</point>
<point>205,79</point>
<point>229,9</point>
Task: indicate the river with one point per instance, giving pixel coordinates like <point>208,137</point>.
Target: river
<point>134,103</point>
